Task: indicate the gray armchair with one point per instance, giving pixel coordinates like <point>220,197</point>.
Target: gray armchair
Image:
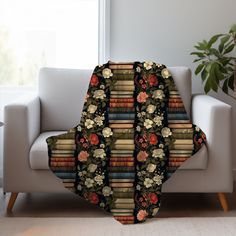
<point>56,108</point>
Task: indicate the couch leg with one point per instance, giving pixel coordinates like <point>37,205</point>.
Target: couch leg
<point>223,201</point>
<point>12,201</point>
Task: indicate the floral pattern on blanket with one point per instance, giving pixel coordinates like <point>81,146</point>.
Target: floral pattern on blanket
<point>133,134</point>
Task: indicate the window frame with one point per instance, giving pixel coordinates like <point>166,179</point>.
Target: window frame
<point>104,31</point>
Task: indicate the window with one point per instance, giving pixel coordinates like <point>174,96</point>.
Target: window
<point>53,33</point>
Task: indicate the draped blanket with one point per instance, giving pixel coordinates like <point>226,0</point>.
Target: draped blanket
<point>133,134</point>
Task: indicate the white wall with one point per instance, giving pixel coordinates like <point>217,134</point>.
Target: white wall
<point>165,31</point>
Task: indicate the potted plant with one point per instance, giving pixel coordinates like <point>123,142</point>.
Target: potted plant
<point>216,65</point>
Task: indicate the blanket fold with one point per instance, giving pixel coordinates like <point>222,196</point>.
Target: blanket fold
<point>133,134</point>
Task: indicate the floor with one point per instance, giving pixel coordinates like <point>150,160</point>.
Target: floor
<point>69,205</point>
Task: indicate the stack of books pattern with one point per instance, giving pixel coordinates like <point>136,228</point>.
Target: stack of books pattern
<point>121,116</point>
<point>62,160</point>
<point>133,133</point>
<point>182,132</point>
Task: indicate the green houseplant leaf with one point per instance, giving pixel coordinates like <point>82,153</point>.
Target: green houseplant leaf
<point>217,62</point>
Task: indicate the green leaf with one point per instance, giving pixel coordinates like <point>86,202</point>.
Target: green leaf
<point>213,39</point>
<point>225,86</point>
<point>204,75</point>
<point>229,48</point>
<point>233,29</point>
<point>196,60</point>
<point>213,82</point>
<point>231,82</point>
<point>199,54</point>
<point>214,52</point>
<point>222,42</point>
<point>199,69</point>
<point>207,86</point>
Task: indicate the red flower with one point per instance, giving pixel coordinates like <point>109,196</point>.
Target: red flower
<point>200,140</point>
<point>94,80</point>
<point>93,198</point>
<point>93,138</point>
<point>152,80</point>
<point>144,86</point>
<point>153,139</point>
<point>82,140</point>
<point>153,198</point>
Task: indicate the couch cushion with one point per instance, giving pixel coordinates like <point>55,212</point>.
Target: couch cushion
<point>62,93</point>
<point>39,155</point>
<point>39,151</point>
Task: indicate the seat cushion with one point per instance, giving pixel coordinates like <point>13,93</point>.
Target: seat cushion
<point>39,151</point>
<point>39,155</point>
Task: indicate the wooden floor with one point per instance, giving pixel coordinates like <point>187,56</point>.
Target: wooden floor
<point>70,205</point>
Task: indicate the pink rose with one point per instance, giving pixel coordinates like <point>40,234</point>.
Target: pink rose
<point>142,214</point>
<point>142,156</point>
<point>142,97</point>
<point>83,156</point>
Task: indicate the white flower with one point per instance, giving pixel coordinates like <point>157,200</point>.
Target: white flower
<point>138,187</point>
<point>151,167</point>
<point>92,108</point>
<point>143,113</point>
<point>148,123</point>
<point>99,94</point>
<point>148,182</point>
<point>102,145</point>
<point>89,182</point>
<point>106,191</point>
<point>106,73</point>
<point>155,210</point>
<point>161,146</point>
<point>92,167</point>
<point>80,174</point>
<point>159,65</point>
<point>79,187</point>
<point>158,153</point>
<point>99,153</point>
<point>158,120</point>
<point>138,69</point>
<point>139,174</point>
<point>99,179</point>
<point>158,94</point>
<point>102,86</point>
<point>84,113</point>
<point>165,73</point>
<point>99,120</point>
<point>151,109</point>
<point>197,128</point>
<point>139,115</point>
<point>138,128</point>
<point>89,123</point>
<point>158,179</point>
<point>166,132</point>
<point>148,65</point>
<point>79,128</point>
<point>102,204</point>
<point>107,132</point>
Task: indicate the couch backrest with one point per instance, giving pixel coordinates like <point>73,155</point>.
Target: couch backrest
<point>62,93</point>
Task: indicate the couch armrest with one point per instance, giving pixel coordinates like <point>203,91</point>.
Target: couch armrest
<point>22,126</point>
<point>214,118</point>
